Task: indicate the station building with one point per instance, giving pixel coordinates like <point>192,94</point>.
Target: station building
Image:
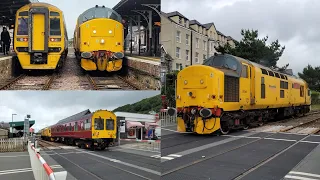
<point>136,126</point>
<point>187,42</point>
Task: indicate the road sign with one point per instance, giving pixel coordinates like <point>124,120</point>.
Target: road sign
<point>26,127</point>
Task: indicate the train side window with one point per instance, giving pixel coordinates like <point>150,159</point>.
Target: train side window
<point>301,91</point>
<point>87,125</point>
<point>76,126</point>
<point>244,72</point>
<point>286,86</point>
<point>271,73</point>
<point>309,92</point>
<point>277,75</point>
<point>264,71</point>
<point>70,127</point>
<point>263,89</point>
<point>281,93</point>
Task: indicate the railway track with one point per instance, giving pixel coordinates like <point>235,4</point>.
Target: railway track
<point>309,124</point>
<point>25,82</point>
<point>45,144</point>
<point>110,83</point>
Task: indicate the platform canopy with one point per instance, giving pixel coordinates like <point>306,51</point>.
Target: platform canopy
<point>19,125</point>
<point>128,8</point>
<point>8,9</point>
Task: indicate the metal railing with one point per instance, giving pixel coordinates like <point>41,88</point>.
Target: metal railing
<point>12,145</point>
<point>167,120</point>
<point>41,170</point>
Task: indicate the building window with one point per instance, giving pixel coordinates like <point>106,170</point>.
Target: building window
<point>212,46</point>
<point>178,36</point>
<point>197,57</point>
<point>197,43</point>
<point>178,66</point>
<point>187,39</point>
<point>210,34</point>
<point>204,45</point>
<point>187,55</point>
<point>180,20</point>
<point>178,52</point>
<point>204,57</point>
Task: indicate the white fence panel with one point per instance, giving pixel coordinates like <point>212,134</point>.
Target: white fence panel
<point>41,170</point>
<point>12,145</point>
<point>167,120</point>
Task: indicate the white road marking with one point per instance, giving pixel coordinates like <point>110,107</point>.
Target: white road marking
<point>13,171</point>
<point>168,158</point>
<point>175,155</point>
<point>305,174</point>
<point>299,178</point>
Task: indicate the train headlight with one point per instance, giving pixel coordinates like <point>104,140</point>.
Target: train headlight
<point>201,81</point>
<point>205,113</point>
<point>172,111</point>
<point>94,31</point>
<point>110,32</point>
<point>185,82</point>
<point>102,41</point>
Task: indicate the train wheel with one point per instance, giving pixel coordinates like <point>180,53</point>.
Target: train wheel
<point>224,129</point>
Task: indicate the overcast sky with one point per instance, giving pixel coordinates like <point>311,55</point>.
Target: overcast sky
<point>73,8</point>
<point>295,23</point>
<point>48,107</point>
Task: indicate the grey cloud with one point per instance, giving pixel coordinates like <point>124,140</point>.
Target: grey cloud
<point>294,22</point>
<point>50,106</point>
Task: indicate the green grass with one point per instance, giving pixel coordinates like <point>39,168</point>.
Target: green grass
<point>315,106</point>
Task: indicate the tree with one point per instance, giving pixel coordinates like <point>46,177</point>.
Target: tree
<point>256,50</point>
<point>311,76</point>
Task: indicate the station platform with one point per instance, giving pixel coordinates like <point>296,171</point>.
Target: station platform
<point>148,65</point>
<point>5,66</point>
<point>308,168</point>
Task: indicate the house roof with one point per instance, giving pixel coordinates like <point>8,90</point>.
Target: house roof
<point>174,13</point>
<point>208,25</point>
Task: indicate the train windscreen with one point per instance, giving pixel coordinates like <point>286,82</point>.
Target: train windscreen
<point>110,124</point>
<point>99,124</point>
<point>22,26</point>
<point>55,29</point>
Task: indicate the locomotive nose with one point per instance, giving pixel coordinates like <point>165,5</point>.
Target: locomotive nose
<point>172,111</point>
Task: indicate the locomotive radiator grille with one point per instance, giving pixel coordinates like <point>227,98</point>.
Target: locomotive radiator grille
<point>231,89</point>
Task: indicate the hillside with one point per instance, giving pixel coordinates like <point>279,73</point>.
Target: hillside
<point>143,107</point>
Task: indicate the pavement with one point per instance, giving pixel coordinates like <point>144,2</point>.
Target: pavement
<point>239,155</point>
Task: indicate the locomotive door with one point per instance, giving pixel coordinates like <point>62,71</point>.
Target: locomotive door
<point>252,85</point>
<point>38,32</point>
<point>38,29</point>
<point>245,87</point>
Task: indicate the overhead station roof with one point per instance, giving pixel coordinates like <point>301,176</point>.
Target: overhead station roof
<point>127,8</point>
<point>8,9</point>
<point>18,125</point>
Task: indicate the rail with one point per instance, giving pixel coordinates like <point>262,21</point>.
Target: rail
<point>41,170</point>
<point>11,81</point>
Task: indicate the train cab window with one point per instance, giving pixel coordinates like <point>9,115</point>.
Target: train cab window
<point>301,91</point>
<point>309,92</point>
<point>263,89</point>
<point>55,29</point>
<point>244,72</point>
<point>271,73</point>
<point>24,13</point>
<point>264,71</point>
<point>52,13</point>
<point>22,26</point>
<point>109,124</point>
<point>277,75</point>
<point>99,124</point>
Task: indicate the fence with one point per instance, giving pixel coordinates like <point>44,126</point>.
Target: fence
<point>167,120</point>
<point>41,170</point>
<point>12,145</point>
<point>146,145</point>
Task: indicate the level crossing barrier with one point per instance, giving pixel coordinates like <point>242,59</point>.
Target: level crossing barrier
<point>41,170</point>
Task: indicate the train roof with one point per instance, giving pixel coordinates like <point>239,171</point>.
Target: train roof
<point>239,59</point>
<point>40,4</point>
<point>98,12</point>
<point>82,114</point>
